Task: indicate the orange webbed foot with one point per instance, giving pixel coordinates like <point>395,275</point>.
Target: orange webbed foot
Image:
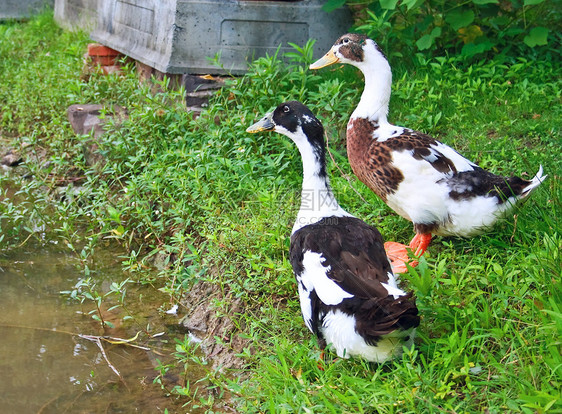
<point>419,243</point>
<point>398,255</point>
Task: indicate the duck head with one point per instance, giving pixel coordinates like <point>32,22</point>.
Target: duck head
<point>354,49</point>
<point>297,122</point>
<point>363,53</point>
<point>294,120</point>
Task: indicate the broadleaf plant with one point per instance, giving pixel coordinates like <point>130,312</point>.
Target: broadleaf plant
<point>482,28</point>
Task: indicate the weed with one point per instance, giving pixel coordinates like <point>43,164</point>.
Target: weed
<point>478,28</point>
<point>87,290</point>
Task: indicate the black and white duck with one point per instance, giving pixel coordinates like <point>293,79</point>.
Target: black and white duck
<point>348,294</point>
<point>420,178</point>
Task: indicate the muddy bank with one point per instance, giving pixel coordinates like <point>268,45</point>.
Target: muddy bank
<point>219,335</point>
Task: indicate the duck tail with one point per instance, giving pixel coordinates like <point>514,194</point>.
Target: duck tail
<point>535,182</point>
<point>383,316</point>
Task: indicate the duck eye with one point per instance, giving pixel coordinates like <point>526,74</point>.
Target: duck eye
<point>286,108</point>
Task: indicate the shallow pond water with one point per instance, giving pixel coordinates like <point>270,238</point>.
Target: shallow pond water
<point>46,367</point>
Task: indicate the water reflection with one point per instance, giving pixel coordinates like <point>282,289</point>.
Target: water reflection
<point>46,368</point>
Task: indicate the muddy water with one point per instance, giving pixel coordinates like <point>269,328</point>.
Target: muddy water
<point>46,367</point>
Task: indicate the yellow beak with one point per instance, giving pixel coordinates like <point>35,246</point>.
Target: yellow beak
<point>328,59</point>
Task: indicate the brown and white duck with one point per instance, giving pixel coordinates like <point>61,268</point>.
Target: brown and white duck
<point>348,294</point>
<point>420,178</point>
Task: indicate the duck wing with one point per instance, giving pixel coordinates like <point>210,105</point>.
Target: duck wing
<point>349,259</point>
<point>464,178</point>
<point>421,146</point>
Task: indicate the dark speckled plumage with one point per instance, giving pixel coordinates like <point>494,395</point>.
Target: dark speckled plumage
<point>479,182</point>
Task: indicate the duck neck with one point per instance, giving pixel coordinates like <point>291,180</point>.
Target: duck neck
<point>376,95</point>
<point>317,198</point>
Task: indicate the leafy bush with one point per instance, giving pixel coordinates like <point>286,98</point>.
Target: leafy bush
<point>469,28</point>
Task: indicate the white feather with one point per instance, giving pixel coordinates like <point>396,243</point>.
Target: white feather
<point>386,131</point>
<point>339,330</point>
<point>420,204</point>
<point>431,203</point>
<point>468,218</point>
<point>474,216</point>
<point>315,276</point>
<point>537,179</point>
<point>306,305</point>
<point>460,163</point>
<point>392,286</point>
<point>307,119</point>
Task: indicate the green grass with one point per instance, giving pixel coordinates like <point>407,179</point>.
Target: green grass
<point>223,202</point>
